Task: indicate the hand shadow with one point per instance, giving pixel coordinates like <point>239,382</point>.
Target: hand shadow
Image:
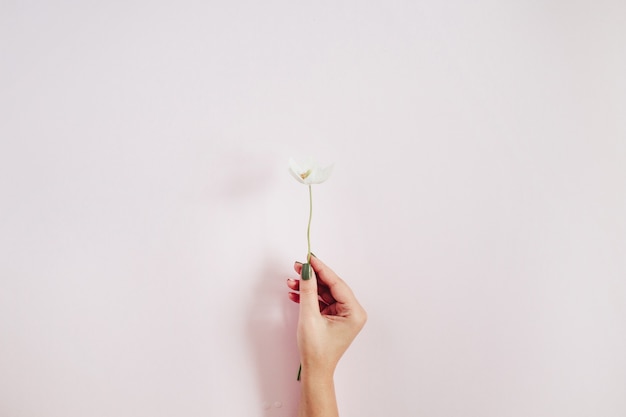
<point>272,321</point>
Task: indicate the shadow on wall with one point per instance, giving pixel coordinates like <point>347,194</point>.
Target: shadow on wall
<point>272,321</point>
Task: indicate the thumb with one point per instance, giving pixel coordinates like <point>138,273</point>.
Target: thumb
<point>308,290</point>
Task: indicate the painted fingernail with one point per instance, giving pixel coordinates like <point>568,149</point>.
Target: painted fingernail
<point>306,271</point>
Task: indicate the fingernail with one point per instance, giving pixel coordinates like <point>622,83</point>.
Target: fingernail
<point>306,271</point>
<point>312,254</point>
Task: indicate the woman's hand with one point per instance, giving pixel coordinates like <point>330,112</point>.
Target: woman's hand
<point>330,318</point>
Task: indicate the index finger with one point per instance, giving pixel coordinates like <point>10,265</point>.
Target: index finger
<point>340,291</point>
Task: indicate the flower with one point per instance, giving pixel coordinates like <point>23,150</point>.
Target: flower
<point>309,172</point>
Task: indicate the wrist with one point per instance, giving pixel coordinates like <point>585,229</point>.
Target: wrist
<point>317,391</point>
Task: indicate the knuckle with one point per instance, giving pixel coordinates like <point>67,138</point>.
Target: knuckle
<point>361,316</point>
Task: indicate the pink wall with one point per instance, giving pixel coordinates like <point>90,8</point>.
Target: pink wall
<point>148,222</point>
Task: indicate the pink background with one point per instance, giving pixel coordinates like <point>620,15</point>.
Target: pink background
<point>148,222</point>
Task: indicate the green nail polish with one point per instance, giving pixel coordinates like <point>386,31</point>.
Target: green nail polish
<point>306,271</point>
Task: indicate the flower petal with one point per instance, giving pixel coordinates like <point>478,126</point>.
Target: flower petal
<point>296,170</point>
<point>320,175</point>
<point>309,172</point>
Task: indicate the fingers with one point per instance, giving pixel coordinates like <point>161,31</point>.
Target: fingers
<point>325,278</point>
<point>309,300</point>
<point>324,308</point>
<point>324,292</point>
<point>324,273</point>
<point>294,297</point>
<point>293,284</point>
<point>322,289</point>
<point>338,289</point>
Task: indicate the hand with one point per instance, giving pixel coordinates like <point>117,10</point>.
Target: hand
<point>330,318</point>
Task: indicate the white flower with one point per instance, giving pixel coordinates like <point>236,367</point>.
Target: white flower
<point>309,172</point>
